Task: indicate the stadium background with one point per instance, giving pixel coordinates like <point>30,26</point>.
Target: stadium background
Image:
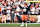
<point>33,19</point>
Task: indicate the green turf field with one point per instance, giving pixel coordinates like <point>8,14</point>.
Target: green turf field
<point>18,25</point>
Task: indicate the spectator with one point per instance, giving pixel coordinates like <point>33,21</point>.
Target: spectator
<point>38,19</point>
<point>32,9</point>
<point>8,19</point>
<point>12,16</point>
<point>32,20</point>
<point>0,10</point>
<point>18,16</point>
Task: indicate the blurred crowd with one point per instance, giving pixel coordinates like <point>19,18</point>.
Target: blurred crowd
<point>33,0</point>
<point>15,8</point>
<point>8,6</point>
